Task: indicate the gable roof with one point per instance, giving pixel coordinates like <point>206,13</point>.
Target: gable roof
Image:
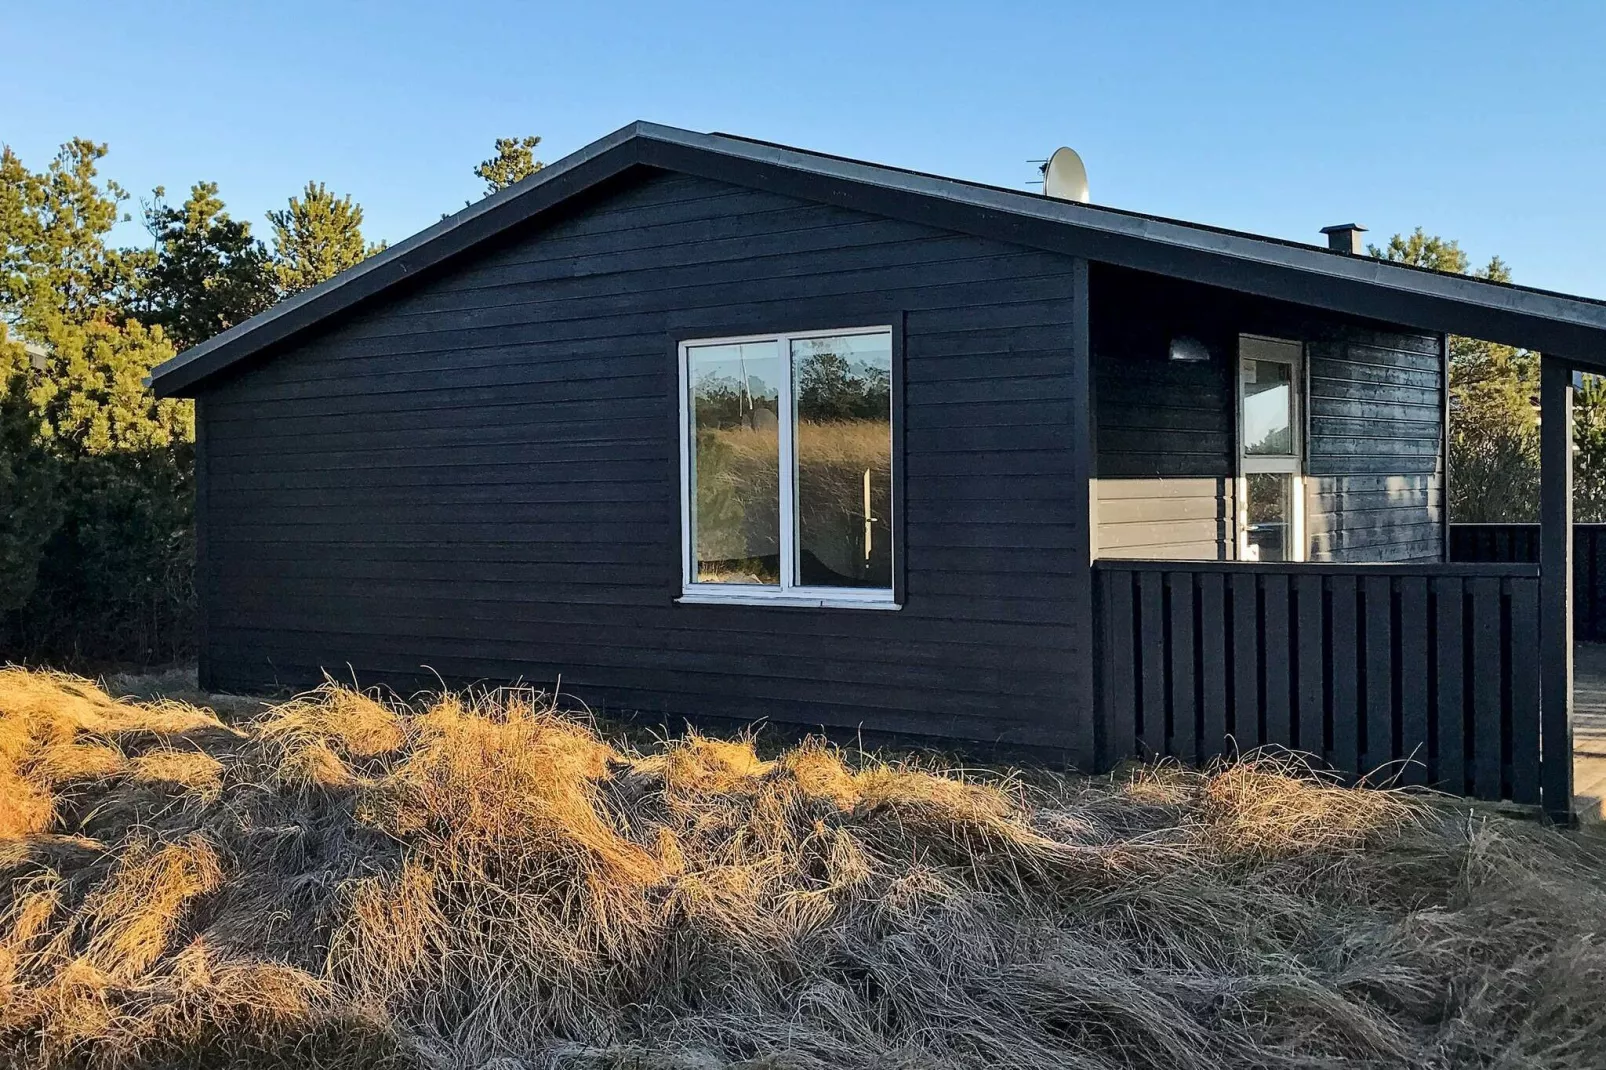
<point>1573,327</point>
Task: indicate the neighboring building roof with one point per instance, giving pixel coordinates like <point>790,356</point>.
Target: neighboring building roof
<point>1573,327</point>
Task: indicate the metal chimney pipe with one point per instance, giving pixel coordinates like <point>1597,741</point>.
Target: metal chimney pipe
<point>1345,237</point>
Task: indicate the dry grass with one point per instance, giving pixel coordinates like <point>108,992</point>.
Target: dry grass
<point>484,883</point>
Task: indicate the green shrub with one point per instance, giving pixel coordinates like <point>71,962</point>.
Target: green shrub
<point>97,477</point>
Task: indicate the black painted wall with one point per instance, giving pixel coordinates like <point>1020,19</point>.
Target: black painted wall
<point>478,476</point>
<point>1166,431</point>
<point>1374,451</point>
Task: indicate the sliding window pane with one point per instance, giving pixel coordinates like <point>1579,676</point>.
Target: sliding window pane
<point>842,388</point>
<point>735,448</point>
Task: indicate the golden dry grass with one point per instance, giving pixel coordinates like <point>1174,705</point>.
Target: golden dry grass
<point>482,882</point>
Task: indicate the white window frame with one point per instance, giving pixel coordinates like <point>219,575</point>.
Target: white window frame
<point>788,593</point>
<point>1292,464</point>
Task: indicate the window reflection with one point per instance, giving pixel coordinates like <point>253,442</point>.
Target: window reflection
<point>842,392</point>
<point>1268,400</point>
<point>735,510</point>
<point>1269,509</point>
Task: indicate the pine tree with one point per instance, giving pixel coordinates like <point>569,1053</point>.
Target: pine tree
<point>514,160</point>
<point>90,398</point>
<point>1494,427</point>
<point>316,238</point>
<point>30,510</point>
<point>209,273</point>
<point>54,258</point>
<point>96,533</point>
<point>1589,452</point>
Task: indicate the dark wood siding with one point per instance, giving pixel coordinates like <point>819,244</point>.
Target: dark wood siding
<point>1374,455</point>
<point>478,477</point>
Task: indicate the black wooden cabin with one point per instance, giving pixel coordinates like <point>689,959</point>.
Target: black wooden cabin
<point>703,426</point>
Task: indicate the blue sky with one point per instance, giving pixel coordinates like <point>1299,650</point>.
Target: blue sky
<point>1480,121</point>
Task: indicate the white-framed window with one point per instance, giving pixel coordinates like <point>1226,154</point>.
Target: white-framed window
<point>786,468</point>
<point>1271,478</point>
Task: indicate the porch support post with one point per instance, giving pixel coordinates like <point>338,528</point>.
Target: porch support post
<point>1444,446</point>
<point>1556,587</point>
<point>1084,709</point>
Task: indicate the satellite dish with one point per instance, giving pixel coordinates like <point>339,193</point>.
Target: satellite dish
<point>1065,177</point>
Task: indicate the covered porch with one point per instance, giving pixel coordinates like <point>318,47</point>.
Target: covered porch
<point>1270,558</point>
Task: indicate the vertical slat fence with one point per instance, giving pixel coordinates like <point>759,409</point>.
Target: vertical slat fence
<point>1483,543</point>
<point>1418,674</point>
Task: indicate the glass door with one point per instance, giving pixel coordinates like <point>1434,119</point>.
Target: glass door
<point>1270,480</point>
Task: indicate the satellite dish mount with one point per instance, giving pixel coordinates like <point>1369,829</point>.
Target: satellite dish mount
<point>1064,176</point>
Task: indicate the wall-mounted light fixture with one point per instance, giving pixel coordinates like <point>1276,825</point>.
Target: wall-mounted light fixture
<point>1187,350</point>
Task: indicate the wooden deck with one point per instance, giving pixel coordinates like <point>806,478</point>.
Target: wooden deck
<point>1589,731</point>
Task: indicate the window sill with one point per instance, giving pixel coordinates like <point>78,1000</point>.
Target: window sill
<point>794,601</point>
